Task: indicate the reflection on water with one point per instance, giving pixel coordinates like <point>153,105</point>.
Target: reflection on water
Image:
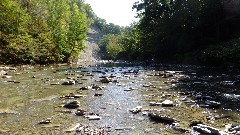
<point>33,95</point>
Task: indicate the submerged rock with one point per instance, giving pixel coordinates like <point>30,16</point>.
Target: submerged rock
<point>210,104</point>
<point>72,105</point>
<point>161,118</point>
<point>80,112</point>
<point>106,80</point>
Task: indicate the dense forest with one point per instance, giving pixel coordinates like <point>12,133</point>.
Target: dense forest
<point>179,31</point>
<point>186,31</point>
<point>47,31</point>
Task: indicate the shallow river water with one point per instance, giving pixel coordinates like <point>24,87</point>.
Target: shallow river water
<point>31,95</point>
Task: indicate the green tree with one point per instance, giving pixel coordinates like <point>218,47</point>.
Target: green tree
<point>110,47</point>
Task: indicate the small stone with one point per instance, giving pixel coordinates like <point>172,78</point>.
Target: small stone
<point>161,118</point>
<point>152,103</point>
<point>98,94</point>
<point>167,103</point>
<point>106,80</point>
<point>47,121</point>
<point>80,112</point>
<point>93,117</point>
<point>72,105</point>
<point>136,109</point>
<point>71,82</point>
<point>85,88</point>
<point>6,76</point>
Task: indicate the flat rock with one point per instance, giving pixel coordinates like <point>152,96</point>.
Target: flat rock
<point>167,103</point>
<point>161,118</point>
<point>93,117</point>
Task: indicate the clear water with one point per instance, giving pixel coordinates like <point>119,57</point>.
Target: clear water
<point>23,105</point>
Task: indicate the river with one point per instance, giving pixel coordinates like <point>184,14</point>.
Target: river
<point>32,95</point>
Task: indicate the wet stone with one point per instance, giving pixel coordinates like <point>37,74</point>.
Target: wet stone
<point>85,88</point>
<point>70,82</point>
<point>161,118</point>
<point>106,80</point>
<point>136,109</point>
<point>6,76</point>
<point>167,103</point>
<point>93,117</point>
<point>72,105</point>
<point>80,112</point>
<point>206,130</point>
<point>233,128</point>
<point>47,121</point>
<point>210,104</point>
<point>72,95</point>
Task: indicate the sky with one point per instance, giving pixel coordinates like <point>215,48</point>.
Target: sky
<point>118,12</point>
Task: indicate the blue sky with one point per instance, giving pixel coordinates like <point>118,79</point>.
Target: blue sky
<point>114,11</point>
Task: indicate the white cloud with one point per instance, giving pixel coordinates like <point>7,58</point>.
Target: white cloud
<point>114,11</point>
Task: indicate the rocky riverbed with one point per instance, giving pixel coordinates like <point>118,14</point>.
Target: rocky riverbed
<point>118,98</point>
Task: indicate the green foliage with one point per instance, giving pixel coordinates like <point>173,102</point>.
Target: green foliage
<point>129,42</point>
<point>13,17</point>
<point>45,31</point>
<point>107,28</point>
<point>109,45</point>
<point>171,28</point>
<point>222,53</point>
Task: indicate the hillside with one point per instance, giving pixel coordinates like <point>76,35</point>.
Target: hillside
<point>91,52</point>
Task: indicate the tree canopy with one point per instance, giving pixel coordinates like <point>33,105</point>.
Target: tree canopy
<point>45,31</point>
